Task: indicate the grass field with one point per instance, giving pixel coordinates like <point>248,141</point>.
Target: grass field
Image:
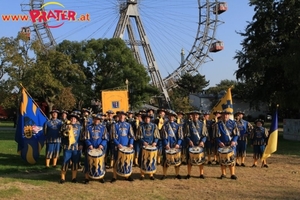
<point>281,180</point>
<point>6,124</point>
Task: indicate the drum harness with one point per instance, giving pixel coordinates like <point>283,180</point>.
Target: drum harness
<point>196,131</point>
<point>227,132</point>
<point>172,132</point>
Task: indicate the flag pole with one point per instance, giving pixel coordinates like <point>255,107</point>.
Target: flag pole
<point>34,101</point>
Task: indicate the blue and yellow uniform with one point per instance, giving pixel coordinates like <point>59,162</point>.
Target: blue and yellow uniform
<point>53,139</point>
<point>182,122</point>
<point>159,121</point>
<point>122,135</point>
<point>258,139</point>
<point>196,135</point>
<point>147,134</point>
<point>227,133</point>
<point>245,129</point>
<point>136,144</point>
<point>72,148</point>
<point>97,138</point>
<point>110,145</point>
<point>172,137</point>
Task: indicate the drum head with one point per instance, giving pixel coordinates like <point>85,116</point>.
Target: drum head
<point>225,150</point>
<point>149,147</point>
<point>196,149</point>
<point>172,151</point>
<point>95,152</point>
<point>126,150</point>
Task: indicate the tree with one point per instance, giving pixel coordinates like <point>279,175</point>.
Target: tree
<point>107,63</point>
<point>52,73</point>
<point>65,99</point>
<point>189,84</point>
<point>15,61</point>
<point>268,61</point>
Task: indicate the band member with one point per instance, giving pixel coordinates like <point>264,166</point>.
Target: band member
<point>122,135</point>
<point>135,126</point>
<point>102,120</point>
<point>53,139</point>
<point>181,122</point>
<point>196,135</point>
<point>64,116</point>
<point>64,120</point>
<point>86,118</point>
<point>130,117</point>
<point>211,150</point>
<point>150,112</point>
<point>172,136</point>
<point>159,121</point>
<point>258,137</point>
<point>227,133</point>
<point>97,138</point>
<point>71,147</point>
<point>245,129</point>
<point>148,134</point>
<point>217,117</point>
<point>143,112</point>
<point>110,146</point>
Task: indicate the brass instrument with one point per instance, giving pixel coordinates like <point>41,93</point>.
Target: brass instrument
<point>66,128</point>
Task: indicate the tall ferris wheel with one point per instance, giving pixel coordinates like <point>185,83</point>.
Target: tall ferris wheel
<point>156,32</point>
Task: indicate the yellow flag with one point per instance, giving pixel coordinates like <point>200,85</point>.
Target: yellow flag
<point>273,137</point>
<point>225,103</point>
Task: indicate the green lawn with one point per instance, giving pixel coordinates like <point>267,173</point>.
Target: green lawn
<point>6,124</point>
<point>10,160</point>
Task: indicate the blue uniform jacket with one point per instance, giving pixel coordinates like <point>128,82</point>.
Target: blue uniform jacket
<point>148,133</point>
<point>196,132</point>
<point>96,135</point>
<point>226,132</point>
<point>52,130</point>
<point>170,137</point>
<point>122,133</point>
<point>244,128</point>
<point>259,136</point>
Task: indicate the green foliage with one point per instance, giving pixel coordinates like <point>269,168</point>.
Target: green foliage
<point>268,61</point>
<point>65,100</point>
<point>107,63</point>
<point>189,84</point>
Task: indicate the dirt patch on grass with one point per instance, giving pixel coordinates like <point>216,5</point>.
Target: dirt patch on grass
<point>280,181</point>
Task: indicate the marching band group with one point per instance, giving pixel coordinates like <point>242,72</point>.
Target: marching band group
<point>129,139</point>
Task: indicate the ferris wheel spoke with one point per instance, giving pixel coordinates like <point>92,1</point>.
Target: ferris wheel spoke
<point>162,28</point>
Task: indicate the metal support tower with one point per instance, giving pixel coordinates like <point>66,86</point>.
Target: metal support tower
<point>128,15</point>
<point>42,31</point>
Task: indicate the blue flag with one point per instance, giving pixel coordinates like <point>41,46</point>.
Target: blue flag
<point>29,133</point>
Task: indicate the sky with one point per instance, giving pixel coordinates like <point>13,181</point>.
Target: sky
<point>169,25</point>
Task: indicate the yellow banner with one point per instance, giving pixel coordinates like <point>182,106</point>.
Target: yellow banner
<point>225,103</point>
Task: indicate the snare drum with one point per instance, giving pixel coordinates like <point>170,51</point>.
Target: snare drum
<point>125,161</point>
<point>226,155</point>
<point>148,159</point>
<point>96,164</point>
<point>173,157</point>
<point>197,156</point>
